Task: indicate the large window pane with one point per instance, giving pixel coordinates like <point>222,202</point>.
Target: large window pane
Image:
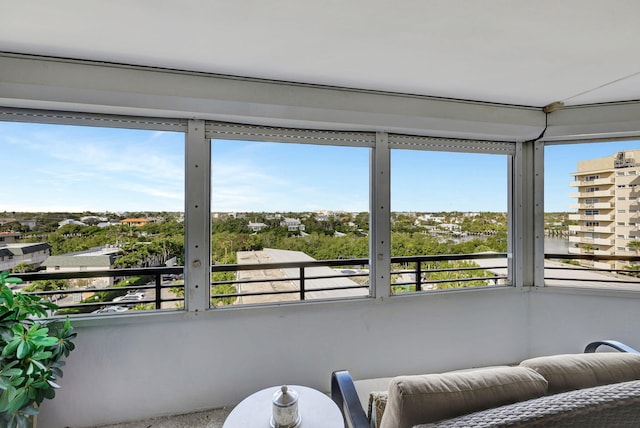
<point>288,203</point>
<point>591,214</point>
<point>445,203</point>
<point>86,199</point>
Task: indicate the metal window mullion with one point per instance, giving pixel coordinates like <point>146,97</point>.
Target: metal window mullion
<point>511,215</point>
<point>523,190</point>
<point>197,218</point>
<point>538,213</point>
<point>380,212</point>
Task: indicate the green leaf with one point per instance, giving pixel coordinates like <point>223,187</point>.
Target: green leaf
<point>17,381</point>
<point>13,280</point>
<point>4,401</point>
<point>11,372</point>
<point>49,394</point>
<point>23,349</point>
<point>4,383</point>
<point>38,364</point>
<point>20,400</point>
<point>11,348</point>
<point>42,355</point>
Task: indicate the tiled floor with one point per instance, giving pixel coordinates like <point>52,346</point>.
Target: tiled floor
<point>210,419</point>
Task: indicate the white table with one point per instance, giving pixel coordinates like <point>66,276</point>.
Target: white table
<point>316,409</point>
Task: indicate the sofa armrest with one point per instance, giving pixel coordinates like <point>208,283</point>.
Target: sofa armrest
<point>343,393</point>
<point>591,347</point>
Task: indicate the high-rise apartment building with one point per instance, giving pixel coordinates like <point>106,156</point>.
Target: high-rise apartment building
<point>608,203</point>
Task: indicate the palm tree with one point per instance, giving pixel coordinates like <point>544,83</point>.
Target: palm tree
<point>588,248</point>
<point>635,244</point>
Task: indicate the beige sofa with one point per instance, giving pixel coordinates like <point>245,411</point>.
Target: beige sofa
<point>583,390</point>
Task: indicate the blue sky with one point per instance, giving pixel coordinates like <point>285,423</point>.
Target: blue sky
<point>64,168</point>
<point>561,160</point>
<point>70,168</point>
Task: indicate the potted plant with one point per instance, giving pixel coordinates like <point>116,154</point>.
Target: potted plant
<point>31,352</point>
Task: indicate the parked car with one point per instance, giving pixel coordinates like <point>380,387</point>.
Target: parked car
<point>111,310</point>
<point>129,297</point>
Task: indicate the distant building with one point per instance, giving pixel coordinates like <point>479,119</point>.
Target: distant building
<point>29,223</point>
<point>431,217</point>
<point>138,222</point>
<point>256,227</point>
<point>107,224</point>
<point>292,224</point>
<point>608,207</point>
<point>449,226</point>
<point>70,221</point>
<point>13,253</point>
<point>92,219</point>
<point>9,237</point>
<point>100,258</point>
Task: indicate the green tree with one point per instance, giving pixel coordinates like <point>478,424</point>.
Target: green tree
<point>47,285</point>
<point>22,267</point>
<point>635,244</point>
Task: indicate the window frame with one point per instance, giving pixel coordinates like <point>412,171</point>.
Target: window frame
<point>198,132</point>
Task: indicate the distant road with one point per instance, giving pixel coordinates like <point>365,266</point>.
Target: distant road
<point>270,255</point>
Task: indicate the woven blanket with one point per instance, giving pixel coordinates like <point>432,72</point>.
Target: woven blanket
<point>615,405</point>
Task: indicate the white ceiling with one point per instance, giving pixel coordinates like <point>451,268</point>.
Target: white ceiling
<point>519,52</point>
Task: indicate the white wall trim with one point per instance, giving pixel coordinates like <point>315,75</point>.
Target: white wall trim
<point>71,85</point>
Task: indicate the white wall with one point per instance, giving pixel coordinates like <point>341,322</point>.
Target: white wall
<point>148,367</point>
<point>566,320</point>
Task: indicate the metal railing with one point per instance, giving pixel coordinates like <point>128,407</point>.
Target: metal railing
<point>411,273</point>
<point>154,282</point>
<point>421,274</point>
<point>621,272</point>
<point>302,280</point>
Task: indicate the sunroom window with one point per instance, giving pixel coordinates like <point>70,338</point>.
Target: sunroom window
<point>290,215</point>
<point>450,215</point>
<point>84,202</point>
<point>591,243</point>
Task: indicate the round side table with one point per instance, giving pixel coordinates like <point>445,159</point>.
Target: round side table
<point>316,409</point>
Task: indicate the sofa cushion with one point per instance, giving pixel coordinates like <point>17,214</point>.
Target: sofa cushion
<point>432,397</point>
<point>574,371</point>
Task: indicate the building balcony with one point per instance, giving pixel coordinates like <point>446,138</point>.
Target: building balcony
<point>597,217</point>
<point>579,251</point>
<point>597,182</point>
<point>594,241</point>
<point>596,229</point>
<point>597,194</point>
<point>599,205</point>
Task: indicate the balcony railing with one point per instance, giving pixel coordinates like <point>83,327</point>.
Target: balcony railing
<point>303,280</point>
<point>410,274</point>
<point>591,217</point>
<point>593,270</point>
<point>152,292</point>
<point>595,182</point>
